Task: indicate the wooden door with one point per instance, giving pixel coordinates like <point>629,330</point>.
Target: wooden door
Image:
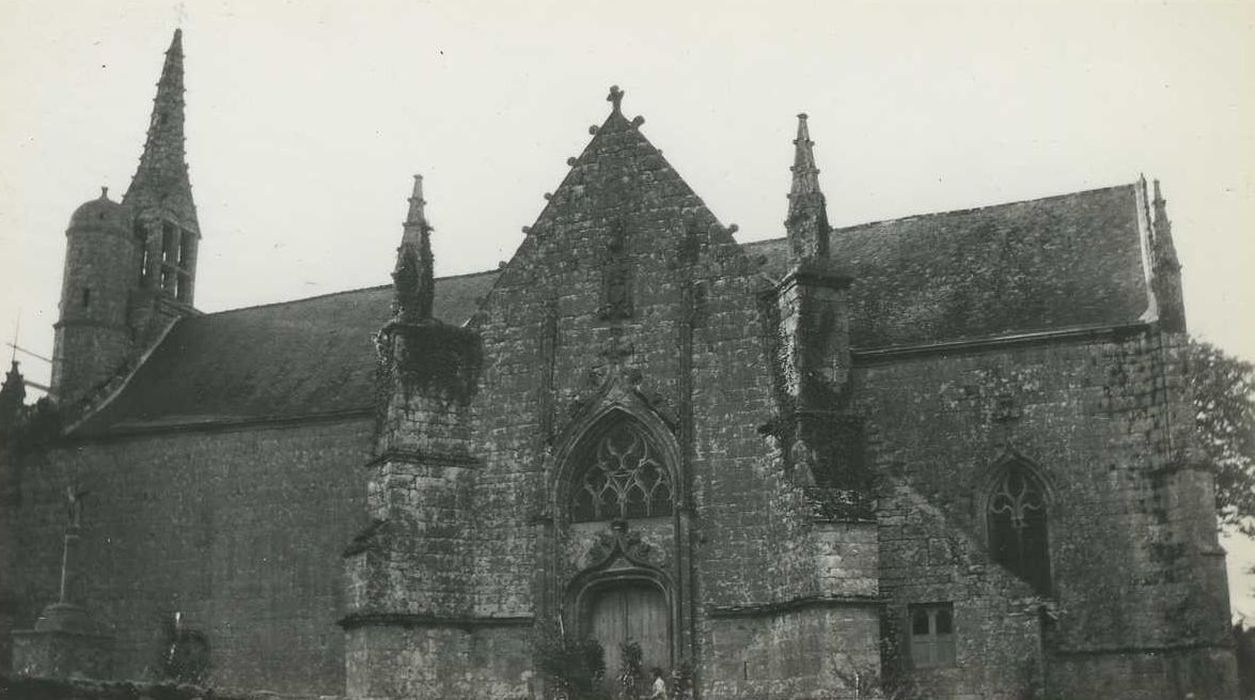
<point>632,612</point>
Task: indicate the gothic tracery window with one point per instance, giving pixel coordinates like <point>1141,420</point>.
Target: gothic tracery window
<point>623,477</point>
<point>1017,526</point>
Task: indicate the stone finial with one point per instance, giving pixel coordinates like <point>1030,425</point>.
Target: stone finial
<point>615,98</point>
<point>807,222</point>
<point>1162,225</point>
<point>416,213</point>
<point>413,278</point>
<point>1165,265</point>
<point>805,174</point>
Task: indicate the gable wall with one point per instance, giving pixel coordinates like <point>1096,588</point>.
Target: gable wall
<point>549,353</point>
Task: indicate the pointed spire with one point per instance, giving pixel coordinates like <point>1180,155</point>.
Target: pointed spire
<point>416,215</point>
<point>1165,265</point>
<point>172,71</point>
<point>161,178</point>
<point>805,174</point>
<point>807,223</point>
<point>1161,210</point>
<point>412,278</point>
<point>1165,249</point>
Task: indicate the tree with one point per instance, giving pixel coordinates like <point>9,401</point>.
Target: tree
<point>1223,392</point>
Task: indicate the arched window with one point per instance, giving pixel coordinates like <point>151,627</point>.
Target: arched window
<point>1017,526</point>
<point>622,476</point>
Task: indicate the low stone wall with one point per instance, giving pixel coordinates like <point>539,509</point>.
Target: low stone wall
<point>26,688</point>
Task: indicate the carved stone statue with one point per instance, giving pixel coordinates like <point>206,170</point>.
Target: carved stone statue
<point>74,506</point>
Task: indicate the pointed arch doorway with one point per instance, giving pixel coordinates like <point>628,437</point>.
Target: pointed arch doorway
<point>632,610</point>
<point>621,540</point>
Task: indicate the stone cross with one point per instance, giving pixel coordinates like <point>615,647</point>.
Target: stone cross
<point>615,98</point>
<point>71,579</point>
<point>74,506</point>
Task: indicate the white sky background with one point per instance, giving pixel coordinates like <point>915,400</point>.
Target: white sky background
<point>305,121</point>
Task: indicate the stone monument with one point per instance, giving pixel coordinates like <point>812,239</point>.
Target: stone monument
<point>66,642</point>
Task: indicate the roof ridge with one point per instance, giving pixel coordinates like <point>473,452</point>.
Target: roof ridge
<point>356,290</point>
<point>948,212</point>
<point>762,241</point>
<point>460,275</point>
<point>967,210</point>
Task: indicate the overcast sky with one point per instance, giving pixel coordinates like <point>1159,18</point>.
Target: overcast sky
<point>305,121</point>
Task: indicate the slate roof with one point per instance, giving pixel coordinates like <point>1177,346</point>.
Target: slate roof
<point>1068,261</point>
<point>306,357</point>
<point>1059,262</point>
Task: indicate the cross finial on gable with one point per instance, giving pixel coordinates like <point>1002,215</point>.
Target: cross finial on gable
<point>615,98</point>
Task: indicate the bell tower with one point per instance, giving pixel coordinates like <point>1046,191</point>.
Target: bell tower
<point>130,266</point>
<point>160,196</point>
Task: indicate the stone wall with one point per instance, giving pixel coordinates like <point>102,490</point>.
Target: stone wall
<point>687,356</point>
<point>817,652</point>
<point>456,662</point>
<point>239,530</point>
<point>925,559</point>
<point>1135,565</point>
<point>1207,672</point>
<point>48,689</point>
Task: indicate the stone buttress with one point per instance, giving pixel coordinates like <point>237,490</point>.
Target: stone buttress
<point>406,572</point>
<point>819,436</point>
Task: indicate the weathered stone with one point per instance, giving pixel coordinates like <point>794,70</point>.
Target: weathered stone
<point>760,460</point>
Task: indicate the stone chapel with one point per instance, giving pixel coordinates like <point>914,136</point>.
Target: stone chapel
<point>951,454</point>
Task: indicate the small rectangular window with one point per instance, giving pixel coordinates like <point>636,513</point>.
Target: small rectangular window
<point>87,297</point>
<point>932,635</point>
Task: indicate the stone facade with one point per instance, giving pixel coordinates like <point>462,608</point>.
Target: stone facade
<point>1099,418</point>
<point>949,456</point>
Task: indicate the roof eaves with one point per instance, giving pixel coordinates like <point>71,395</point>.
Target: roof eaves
<point>206,423</point>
